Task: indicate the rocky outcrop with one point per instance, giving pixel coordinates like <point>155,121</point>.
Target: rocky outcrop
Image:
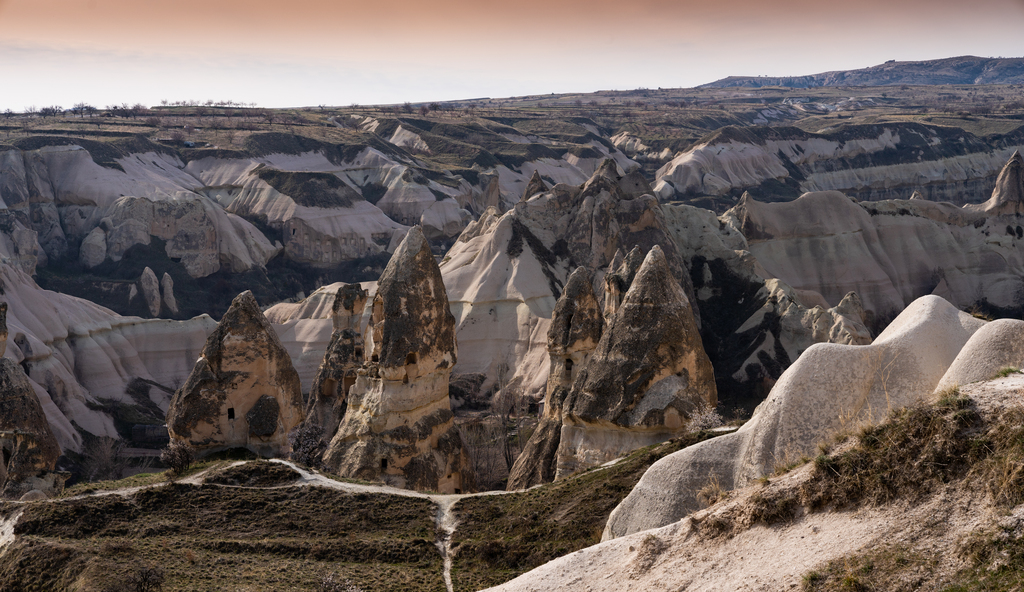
<point>342,360</point>
<point>647,377</point>
<point>1008,195</point>
<point>167,293</point>
<point>573,335</point>
<point>868,162</point>
<point>80,357</point>
<point>903,365</point>
<point>998,346</point>
<point>243,391</point>
<point>505,273</point>
<point>93,250</point>
<point>149,286</point>
<point>398,425</point>
<point>535,186</point>
<point>29,448</point>
<point>829,244</point>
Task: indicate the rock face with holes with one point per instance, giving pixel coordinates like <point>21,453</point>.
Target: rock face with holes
<point>575,331</point>
<point>648,375</point>
<point>342,361</point>
<point>243,391</point>
<point>398,425</point>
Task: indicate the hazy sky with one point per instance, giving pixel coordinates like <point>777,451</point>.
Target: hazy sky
<point>310,52</point>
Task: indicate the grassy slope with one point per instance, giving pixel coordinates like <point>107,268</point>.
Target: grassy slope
<point>266,536</point>
<point>501,537</point>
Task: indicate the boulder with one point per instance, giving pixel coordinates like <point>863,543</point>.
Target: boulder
<point>150,288</point>
<point>167,290</point>
<point>861,385</point>
<point>341,362</point>
<point>226,400</point>
<point>94,248</point>
<point>398,425</point>
<point>648,375</point>
<point>996,346</point>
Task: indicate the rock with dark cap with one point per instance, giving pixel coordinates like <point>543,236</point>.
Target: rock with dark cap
<point>648,376</point>
<point>398,425</point>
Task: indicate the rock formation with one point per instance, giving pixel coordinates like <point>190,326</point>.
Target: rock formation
<point>243,391</point>
<point>829,244</point>
<point>342,360</point>
<point>1008,195</point>
<point>149,286</point>
<point>398,425</point>
<point>29,448</point>
<point>945,164</point>
<point>648,375</point>
<point>903,365</point>
<point>535,186</point>
<point>573,335</point>
<point>167,292</point>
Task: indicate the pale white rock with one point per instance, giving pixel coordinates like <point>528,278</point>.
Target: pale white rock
<point>996,346</point>
<point>78,352</point>
<point>903,365</point>
<point>410,140</point>
<point>889,252</point>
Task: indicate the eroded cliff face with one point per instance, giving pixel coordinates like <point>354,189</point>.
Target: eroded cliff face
<point>243,391</point>
<point>889,252</point>
<point>867,162</point>
<point>648,375</point>
<point>328,394</point>
<point>398,425</point>
<point>506,272</point>
<point>29,448</point>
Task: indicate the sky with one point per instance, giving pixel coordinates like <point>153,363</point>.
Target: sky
<point>337,52</point>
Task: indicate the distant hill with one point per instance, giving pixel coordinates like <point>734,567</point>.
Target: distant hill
<point>959,70</point>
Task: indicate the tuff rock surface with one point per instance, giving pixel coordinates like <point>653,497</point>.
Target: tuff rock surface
<point>648,375</point>
<point>29,448</point>
<point>575,331</point>
<point>829,388</point>
<point>398,425</point>
<point>243,390</point>
<point>328,394</point>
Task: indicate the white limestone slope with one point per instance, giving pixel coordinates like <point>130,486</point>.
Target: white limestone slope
<point>78,353</point>
<point>829,388</point>
<point>889,252</point>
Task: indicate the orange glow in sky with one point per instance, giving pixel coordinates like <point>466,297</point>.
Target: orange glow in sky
<point>308,52</point>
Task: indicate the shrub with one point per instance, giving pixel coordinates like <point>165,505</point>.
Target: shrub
<point>179,456</point>
<point>308,444</point>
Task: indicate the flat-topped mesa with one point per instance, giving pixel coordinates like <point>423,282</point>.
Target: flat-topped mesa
<point>243,391</point>
<point>535,186</point>
<point>342,360</point>
<point>575,331</point>
<point>648,376</point>
<point>1008,195</point>
<point>398,425</point>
